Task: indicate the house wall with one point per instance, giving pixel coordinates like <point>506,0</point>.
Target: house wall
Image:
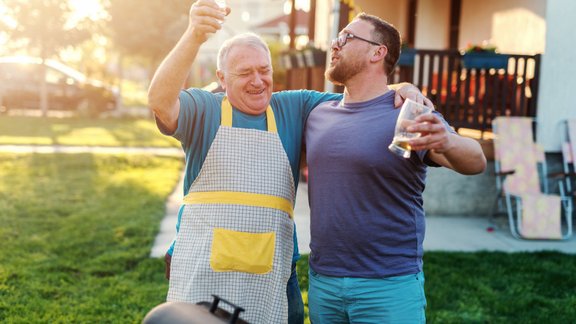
<point>324,23</point>
<point>432,24</point>
<point>257,10</point>
<point>557,82</point>
<point>394,12</point>
<point>431,27</point>
<point>513,26</point>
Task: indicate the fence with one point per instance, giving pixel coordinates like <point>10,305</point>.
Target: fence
<point>472,89</point>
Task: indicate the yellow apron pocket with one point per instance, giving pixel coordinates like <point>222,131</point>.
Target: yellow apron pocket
<point>242,251</point>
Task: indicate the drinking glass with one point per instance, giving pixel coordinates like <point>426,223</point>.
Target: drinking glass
<point>222,4</point>
<point>409,111</point>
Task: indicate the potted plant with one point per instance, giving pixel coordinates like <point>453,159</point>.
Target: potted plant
<point>407,55</point>
<point>313,56</point>
<point>483,57</point>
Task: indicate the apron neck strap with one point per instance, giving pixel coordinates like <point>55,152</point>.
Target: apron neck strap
<point>227,116</point>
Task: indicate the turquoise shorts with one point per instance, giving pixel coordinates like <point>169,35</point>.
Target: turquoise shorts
<point>398,299</point>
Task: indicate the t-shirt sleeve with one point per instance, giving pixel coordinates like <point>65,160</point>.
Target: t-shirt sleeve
<point>313,98</point>
<point>303,100</point>
<point>195,105</point>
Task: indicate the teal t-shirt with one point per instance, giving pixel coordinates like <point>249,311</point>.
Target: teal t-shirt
<point>200,116</point>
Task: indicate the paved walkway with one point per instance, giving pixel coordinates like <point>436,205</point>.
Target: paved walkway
<point>170,151</point>
<point>168,224</point>
<point>452,233</point>
<point>442,233</point>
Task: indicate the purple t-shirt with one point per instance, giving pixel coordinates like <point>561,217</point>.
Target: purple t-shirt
<point>367,213</point>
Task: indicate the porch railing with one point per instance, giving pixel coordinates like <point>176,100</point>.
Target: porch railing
<point>470,97</point>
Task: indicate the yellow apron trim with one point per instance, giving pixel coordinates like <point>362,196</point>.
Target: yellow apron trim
<point>242,251</point>
<point>271,120</point>
<point>239,198</point>
<point>226,113</point>
<point>227,116</point>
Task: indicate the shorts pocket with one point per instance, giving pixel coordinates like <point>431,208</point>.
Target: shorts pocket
<point>242,251</point>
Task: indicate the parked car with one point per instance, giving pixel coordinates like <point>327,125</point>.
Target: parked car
<point>67,88</point>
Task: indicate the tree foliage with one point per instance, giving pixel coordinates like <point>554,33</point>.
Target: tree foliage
<point>147,29</point>
<point>42,26</point>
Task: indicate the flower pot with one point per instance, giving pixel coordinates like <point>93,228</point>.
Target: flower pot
<point>407,57</point>
<point>482,60</point>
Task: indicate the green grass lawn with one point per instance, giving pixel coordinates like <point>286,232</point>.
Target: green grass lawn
<point>82,131</point>
<point>501,287</point>
<point>76,235</point>
<point>487,287</point>
<point>77,230</point>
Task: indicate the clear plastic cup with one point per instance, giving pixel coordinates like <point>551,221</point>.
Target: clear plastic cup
<point>409,111</point>
<point>222,4</point>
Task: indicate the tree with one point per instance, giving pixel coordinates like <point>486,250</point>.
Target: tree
<point>147,29</point>
<point>42,27</point>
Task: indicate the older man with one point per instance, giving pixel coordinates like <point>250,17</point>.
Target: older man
<point>236,234</point>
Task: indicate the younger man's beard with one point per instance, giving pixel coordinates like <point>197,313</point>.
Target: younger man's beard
<point>343,71</point>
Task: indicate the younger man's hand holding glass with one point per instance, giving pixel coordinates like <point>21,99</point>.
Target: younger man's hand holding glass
<point>418,129</point>
<point>433,134</point>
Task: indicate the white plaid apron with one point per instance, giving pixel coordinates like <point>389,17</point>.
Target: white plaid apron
<point>235,238</point>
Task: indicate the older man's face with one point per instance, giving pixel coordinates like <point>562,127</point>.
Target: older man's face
<point>247,79</point>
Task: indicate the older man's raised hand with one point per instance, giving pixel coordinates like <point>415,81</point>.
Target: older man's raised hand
<point>205,18</point>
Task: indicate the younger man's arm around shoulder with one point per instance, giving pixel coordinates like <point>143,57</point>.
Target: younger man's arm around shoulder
<point>461,154</point>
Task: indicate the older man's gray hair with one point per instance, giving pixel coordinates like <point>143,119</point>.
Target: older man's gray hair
<point>245,39</point>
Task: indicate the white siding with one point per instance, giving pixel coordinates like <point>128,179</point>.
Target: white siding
<point>558,74</point>
<point>513,26</point>
<point>432,24</point>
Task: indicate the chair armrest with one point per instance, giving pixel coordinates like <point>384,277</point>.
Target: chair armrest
<point>561,175</point>
<point>505,173</point>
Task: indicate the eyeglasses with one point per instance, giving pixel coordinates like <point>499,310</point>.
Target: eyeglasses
<point>343,39</point>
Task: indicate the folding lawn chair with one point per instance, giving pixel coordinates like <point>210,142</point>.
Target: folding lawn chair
<point>532,212</point>
<point>569,156</point>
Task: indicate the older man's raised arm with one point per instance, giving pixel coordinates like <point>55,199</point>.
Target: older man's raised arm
<point>204,19</point>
